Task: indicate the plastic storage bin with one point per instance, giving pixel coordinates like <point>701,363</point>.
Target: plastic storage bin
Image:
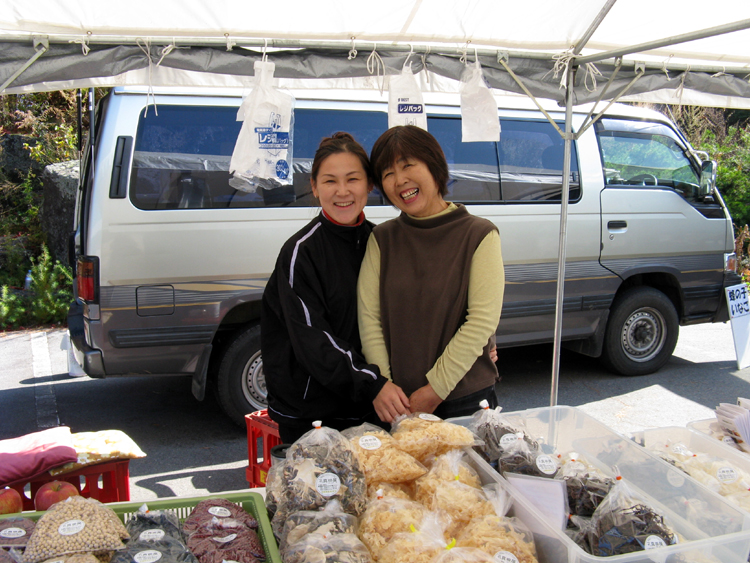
<point>106,482</point>
<point>252,503</point>
<point>716,532</point>
<point>260,428</point>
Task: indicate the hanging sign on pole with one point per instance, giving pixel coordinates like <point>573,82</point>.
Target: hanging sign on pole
<point>739,313</point>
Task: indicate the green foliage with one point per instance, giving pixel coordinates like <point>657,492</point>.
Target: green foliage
<point>47,299</point>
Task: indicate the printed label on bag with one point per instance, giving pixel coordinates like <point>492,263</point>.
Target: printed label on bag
<point>405,107</point>
<point>147,556</point>
<point>12,533</point>
<point>652,542</point>
<point>328,484</point>
<point>727,475</point>
<point>219,511</point>
<point>430,417</point>
<point>546,464</point>
<point>152,535</point>
<point>370,442</point>
<point>508,440</point>
<point>676,478</point>
<point>505,557</point>
<point>269,138</point>
<point>71,527</point>
<point>282,169</point>
<point>729,441</point>
<point>225,539</point>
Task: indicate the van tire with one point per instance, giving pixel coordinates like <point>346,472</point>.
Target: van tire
<point>641,332</point>
<point>241,385</point>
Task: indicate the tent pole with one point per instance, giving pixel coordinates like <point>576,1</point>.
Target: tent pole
<point>710,32</point>
<point>41,46</point>
<point>594,26</point>
<point>561,253</point>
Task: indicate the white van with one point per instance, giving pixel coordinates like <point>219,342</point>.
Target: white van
<point>172,261</point>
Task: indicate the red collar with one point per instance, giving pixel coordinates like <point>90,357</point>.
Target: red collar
<point>357,224</point>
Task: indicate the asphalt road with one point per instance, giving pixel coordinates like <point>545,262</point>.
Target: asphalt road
<point>193,449</point>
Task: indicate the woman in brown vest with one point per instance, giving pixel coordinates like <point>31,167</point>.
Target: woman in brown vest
<point>431,285</point>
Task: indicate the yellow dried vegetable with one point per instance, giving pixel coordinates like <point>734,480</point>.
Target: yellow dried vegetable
<point>445,468</point>
<point>493,534</point>
<point>381,459</point>
<point>425,436</point>
<point>385,518</point>
<point>462,503</point>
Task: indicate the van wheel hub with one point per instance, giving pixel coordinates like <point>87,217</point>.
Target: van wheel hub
<point>254,381</point>
<point>643,334</point>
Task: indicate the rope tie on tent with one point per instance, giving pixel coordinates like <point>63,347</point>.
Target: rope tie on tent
<point>591,73</point>
<point>230,42</point>
<point>84,42</point>
<point>721,73</point>
<point>352,51</point>
<point>376,66</point>
<point>664,66</point>
<point>145,46</point>
<point>463,59</point>
<point>561,66</point>
<point>681,88</point>
<point>166,50</point>
<point>424,64</point>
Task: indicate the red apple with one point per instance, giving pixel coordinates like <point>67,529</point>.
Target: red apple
<point>52,492</point>
<point>10,501</point>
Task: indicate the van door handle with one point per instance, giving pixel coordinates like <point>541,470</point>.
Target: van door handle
<point>617,225</point>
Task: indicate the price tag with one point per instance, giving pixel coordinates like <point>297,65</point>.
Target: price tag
<point>508,440</point>
<point>328,484</point>
<point>219,511</point>
<point>151,535</point>
<point>430,417</point>
<point>652,542</point>
<point>727,475</point>
<point>546,464</point>
<point>225,539</point>
<point>147,556</point>
<point>505,557</point>
<point>12,533</point>
<point>370,442</point>
<point>71,527</point>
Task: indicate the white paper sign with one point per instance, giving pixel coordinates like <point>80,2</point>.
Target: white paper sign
<point>549,496</point>
<point>738,302</point>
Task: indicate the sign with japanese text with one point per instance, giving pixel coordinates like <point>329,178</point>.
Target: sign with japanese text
<point>738,302</point>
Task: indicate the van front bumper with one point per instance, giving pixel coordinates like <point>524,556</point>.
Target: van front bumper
<point>90,359</point>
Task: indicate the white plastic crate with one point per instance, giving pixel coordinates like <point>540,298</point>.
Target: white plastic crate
<point>718,532</point>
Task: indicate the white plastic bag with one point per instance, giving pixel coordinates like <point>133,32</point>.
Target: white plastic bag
<point>262,156</point>
<point>479,119</point>
<point>405,105</point>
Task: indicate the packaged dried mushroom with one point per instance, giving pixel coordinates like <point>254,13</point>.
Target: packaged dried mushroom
<point>425,436</point>
<point>316,548</point>
<point>321,466</point>
<point>447,467</point>
<point>330,520</point>
<point>520,458</point>
<point>385,518</point>
<point>75,525</point>
<point>586,486</point>
<point>154,525</point>
<point>165,550</point>
<point>381,459</point>
<point>496,431</point>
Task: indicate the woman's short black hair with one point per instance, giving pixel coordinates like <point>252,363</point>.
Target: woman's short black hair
<point>409,141</point>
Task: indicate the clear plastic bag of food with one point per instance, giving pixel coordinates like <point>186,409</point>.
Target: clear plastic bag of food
<point>497,431</point>
<point>624,523</point>
<point>380,457</point>
<point>320,467</point>
<point>317,548</point>
<point>398,490</point>
<point>226,539</point>
<point>446,468</point>
<point>274,487</point>
<point>520,458</point>
<point>425,436</point>
<point>387,517</point>
<point>464,555</point>
<point>165,550</point>
<point>421,544</point>
<point>208,509</point>
<point>15,532</point>
<point>462,503</point>
<point>154,525</point>
<point>586,486</point>
<point>75,525</point>
<point>500,537</point>
<point>330,520</point>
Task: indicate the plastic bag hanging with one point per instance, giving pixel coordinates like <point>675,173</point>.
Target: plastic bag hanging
<point>405,105</point>
<point>479,119</point>
<point>262,156</point>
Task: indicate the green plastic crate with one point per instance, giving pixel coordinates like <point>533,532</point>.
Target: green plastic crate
<point>252,503</point>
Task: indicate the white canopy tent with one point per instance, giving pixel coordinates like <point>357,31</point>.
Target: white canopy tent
<point>570,51</point>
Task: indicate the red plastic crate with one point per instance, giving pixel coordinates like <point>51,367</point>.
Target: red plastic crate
<point>260,427</point>
<point>115,485</point>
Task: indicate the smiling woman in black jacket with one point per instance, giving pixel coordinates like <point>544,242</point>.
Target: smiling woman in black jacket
<point>310,342</point>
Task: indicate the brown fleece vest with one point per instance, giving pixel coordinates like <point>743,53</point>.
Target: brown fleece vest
<point>424,294</point>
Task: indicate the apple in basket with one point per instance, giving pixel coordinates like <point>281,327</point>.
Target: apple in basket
<point>52,492</point>
<point>10,501</point>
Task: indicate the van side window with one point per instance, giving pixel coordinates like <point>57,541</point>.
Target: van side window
<point>647,155</point>
<point>181,157</point>
<point>531,163</point>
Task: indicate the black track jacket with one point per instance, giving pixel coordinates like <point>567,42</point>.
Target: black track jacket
<point>312,357</point>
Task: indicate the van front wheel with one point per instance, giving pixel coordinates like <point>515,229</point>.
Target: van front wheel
<point>241,384</point>
<point>641,332</point>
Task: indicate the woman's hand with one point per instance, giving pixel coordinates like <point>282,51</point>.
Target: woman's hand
<point>390,402</point>
<point>493,354</point>
<point>424,399</point>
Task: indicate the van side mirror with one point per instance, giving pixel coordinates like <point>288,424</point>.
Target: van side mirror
<point>708,177</point>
